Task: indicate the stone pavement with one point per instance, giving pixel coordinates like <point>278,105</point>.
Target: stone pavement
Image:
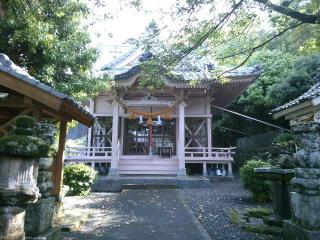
<point>137,214</point>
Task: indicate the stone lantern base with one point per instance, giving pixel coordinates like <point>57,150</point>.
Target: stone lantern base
<point>12,223</point>
<point>305,206</point>
<point>293,231</point>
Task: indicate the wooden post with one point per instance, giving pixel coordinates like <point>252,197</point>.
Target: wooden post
<point>59,161</point>
<point>204,168</point>
<point>209,129</point>
<point>89,139</point>
<point>114,155</point>
<point>181,144</point>
<point>230,174</point>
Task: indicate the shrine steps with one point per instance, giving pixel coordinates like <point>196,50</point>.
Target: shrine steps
<point>156,181</point>
<point>153,165</point>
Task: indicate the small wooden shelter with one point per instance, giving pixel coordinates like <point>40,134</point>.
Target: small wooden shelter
<point>21,94</point>
<point>305,108</point>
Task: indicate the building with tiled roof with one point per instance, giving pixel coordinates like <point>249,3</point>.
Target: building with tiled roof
<point>304,108</point>
<point>139,131</point>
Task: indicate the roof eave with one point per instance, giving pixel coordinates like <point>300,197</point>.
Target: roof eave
<point>291,109</point>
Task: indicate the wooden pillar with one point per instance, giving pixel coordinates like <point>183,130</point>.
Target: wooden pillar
<point>230,174</point>
<point>59,160</point>
<point>181,144</point>
<point>114,155</point>
<point>204,169</point>
<point>209,128</point>
<point>122,136</point>
<point>89,139</point>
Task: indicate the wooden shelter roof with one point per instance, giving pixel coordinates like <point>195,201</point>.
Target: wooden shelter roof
<point>22,94</point>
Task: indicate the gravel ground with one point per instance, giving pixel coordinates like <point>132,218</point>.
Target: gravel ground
<point>212,206</point>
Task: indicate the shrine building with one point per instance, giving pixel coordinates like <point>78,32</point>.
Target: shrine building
<point>141,132</point>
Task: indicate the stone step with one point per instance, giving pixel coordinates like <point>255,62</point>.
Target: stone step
<point>146,186</point>
<point>117,184</point>
<point>149,162</point>
<point>147,171</point>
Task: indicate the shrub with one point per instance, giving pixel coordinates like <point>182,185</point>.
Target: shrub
<point>79,178</point>
<point>259,188</point>
<point>285,139</point>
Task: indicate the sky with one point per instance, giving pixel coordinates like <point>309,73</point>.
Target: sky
<point>113,22</point>
<point>109,35</point>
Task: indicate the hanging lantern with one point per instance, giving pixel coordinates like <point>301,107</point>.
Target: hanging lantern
<point>140,119</point>
<point>159,120</point>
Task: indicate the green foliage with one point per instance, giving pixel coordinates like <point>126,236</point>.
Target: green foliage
<point>283,78</point>
<point>285,139</point>
<point>23,146</point>
<point>25,122</point>
<point>79,177</point>
<point>258,212</point>
<point>297,81</point>
<point>50,42</point>
<point>259,188</point>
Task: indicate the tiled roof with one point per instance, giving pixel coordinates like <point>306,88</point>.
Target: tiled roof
<point>6,65</point>
<point>193,67</point>
<point>312,93</point>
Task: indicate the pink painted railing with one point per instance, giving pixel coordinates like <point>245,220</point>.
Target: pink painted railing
<point>205,153</point>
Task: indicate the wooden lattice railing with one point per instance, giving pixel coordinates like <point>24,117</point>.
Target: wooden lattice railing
<point>205,153</point>
<point>78,154</point>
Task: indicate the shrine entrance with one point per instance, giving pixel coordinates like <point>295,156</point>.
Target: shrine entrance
<point>141,139</point>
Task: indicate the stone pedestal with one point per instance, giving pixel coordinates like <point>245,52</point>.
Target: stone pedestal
<point>38,223</point>
<point>39,216</point>
<point>280,179</point>
<point>17,188</point>
<point>305,197</point>
<point>12,223</point>
<point>293,231</point>
<point>305,200</point>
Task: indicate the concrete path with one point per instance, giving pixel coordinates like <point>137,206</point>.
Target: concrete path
<point>138,214</point>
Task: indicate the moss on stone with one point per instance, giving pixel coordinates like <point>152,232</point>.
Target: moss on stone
<point>258,212</point>
<point>24,146</point>
<point>25,122</point>
<point>23,131</point>
<point>262,229</point>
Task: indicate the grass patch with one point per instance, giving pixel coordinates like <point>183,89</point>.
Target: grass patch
<point>258,212</point>
<point>235,216</point>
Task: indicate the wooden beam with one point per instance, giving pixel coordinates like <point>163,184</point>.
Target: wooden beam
<point>30,91</point>
<point>24,112</point>
<point>57,167</point>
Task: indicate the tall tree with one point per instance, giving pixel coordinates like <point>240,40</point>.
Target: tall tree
<point>52,44</point>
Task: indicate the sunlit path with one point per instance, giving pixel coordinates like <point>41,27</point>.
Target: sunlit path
<point>139,214</point>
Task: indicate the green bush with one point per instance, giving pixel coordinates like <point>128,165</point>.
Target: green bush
<point>285,139</point>
<point>79,178</point>
<point>260,189</point>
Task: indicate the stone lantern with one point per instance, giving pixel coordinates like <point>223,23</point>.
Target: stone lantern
<point>305,197</point>
<point>39,215</point>
<point>19,154</point>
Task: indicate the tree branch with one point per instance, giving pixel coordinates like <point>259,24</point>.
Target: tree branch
<point>302,17</point>
<point>261,44</point>
<point>252,50</point>
<point>204,37</point>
